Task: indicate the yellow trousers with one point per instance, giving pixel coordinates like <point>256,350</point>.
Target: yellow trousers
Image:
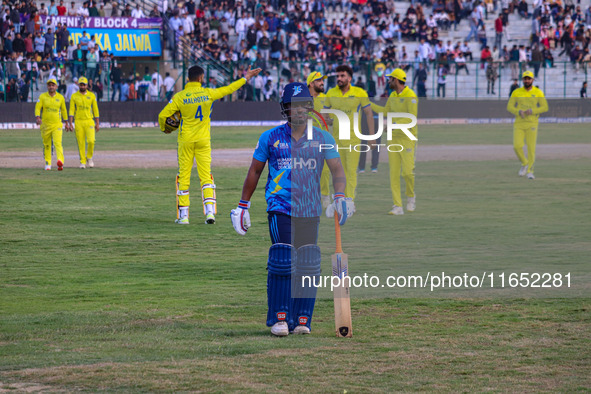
<point>525,135</point>
<point>189,152</point>
<point>49,134</point>
<point>402,164</point>
<point>85,137</point>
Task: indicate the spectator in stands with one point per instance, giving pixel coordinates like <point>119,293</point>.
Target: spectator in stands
<point>83,10</point>
<point>583,91</point>
<point>137,12</point>
<point>97,88</point>
<point>466,51</point>
<point>491,77</point>
<point>153,90</point>
<point>499,31</point>
<point>126,11</point>
<point>92,63</point>
<point>53,9</point>
<point>72,88</point>
<point>514,86</point>
<point>61,9</point>
<point>114,9</point>
<point>124,90</point>
<point>12,91</point>
<point>514,62</point>
<point>522,9</point>
<point>116,77</point>
<point>441,79</point>
<point>422,78</point>
<point>485,55</point>
<point>482,37</point>
<point>43,11</point>
<point>168,86</point>
<point>536,59</point>
<point>460,61</point>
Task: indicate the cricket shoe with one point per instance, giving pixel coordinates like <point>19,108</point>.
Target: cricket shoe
<point>210,218</point>
<point>82,166</point>
<point>396,210</point>
<point>90,163</point>
<point>301,330</point>
<point>411,204</point>
<point>182,221</point>
<point>280,329</point>
<point>47,167</point>
<point>374,170</point>
<point>530,175</point>
<point>360,171</point>
<point>522,170</point>
<point>325,202</point>
<point>60,165</point>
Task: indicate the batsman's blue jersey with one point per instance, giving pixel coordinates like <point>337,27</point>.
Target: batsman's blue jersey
<point>293,185</point>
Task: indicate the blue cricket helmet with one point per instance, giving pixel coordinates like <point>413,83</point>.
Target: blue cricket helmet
<point>297,92</point>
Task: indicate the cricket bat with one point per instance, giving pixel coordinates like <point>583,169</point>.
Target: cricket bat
<point>342,301</point>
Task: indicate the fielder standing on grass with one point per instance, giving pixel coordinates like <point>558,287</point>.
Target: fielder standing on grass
<point>526,103</point>
<point>402,100</point>
<point>350,100</point>
<point>293,205</point>
<point>193,107</point>
<point>50,111</point>
<point>84,111</point>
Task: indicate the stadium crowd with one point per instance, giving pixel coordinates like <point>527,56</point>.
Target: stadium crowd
<point>294,37</point>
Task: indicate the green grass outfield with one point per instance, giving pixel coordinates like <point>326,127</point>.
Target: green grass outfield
<point>101,291</point>
<point>246,137</point>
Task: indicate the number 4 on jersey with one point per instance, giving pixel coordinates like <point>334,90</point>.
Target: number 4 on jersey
<point>199,114</point>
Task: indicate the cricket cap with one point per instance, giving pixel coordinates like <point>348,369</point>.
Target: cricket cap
<point>314,76</point>
<point>399,74</point>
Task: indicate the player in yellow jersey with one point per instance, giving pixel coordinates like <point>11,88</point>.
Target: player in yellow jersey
<point>194,142</point>
<point>402,160</point>
<point>350,100</point>
<point>84,111</point>
<point>526,103</point>
<point>315,84</point>
<point>50,111</point>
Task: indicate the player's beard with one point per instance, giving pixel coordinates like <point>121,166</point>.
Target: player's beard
<point>82,90</point>
<point>527,85</point>
<point>342,84</point>
<point>319,88</point>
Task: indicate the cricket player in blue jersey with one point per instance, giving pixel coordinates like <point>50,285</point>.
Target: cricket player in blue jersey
<point>296,158</point>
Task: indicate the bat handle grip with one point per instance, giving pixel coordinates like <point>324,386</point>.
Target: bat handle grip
<point>337,231</point>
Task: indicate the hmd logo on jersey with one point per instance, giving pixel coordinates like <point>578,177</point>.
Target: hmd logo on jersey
<point>309,164</point>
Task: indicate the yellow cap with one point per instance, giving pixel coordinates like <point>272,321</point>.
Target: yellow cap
<point>52,80</point>
<point>83,80</point>
<point>527,74</point>
<point>398,74</point>
<point>314,76</point>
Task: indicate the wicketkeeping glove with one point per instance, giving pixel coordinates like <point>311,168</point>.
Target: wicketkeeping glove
<point>240,217</point>
<point>172,123</point>
<point>344,207</point>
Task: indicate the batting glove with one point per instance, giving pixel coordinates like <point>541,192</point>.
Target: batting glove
<point>344,207</point>
<point>240,217</point>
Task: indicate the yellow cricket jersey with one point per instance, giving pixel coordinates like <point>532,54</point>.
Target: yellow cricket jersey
<point>194,103</point>
<point>406,101</point>
<point>350,103</point>
<point>54,110</point>
<point>84,106</point>
<point>522,100</point>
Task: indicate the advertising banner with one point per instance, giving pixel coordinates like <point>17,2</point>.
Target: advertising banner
<point>130,37</point>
